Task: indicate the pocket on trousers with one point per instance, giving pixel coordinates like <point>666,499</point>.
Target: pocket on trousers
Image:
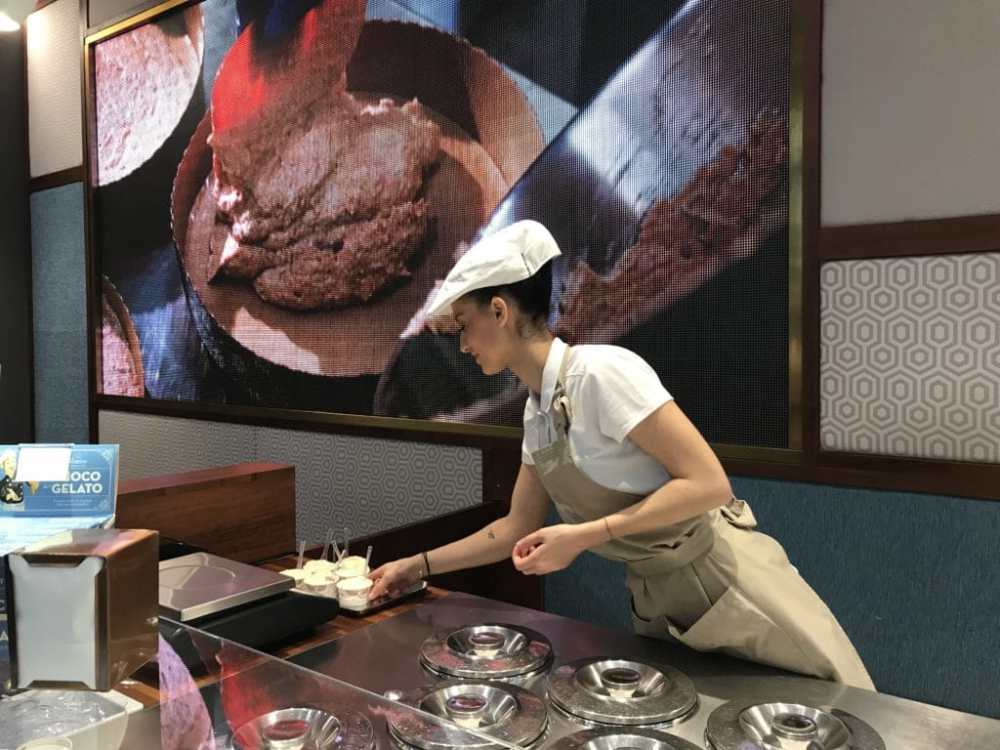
<point>678,597</point>
<point>652,628</point>
<point>724,624</point>
<point>734,625</point>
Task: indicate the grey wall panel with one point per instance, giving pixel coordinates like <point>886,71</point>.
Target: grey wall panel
<point>372,485</point>
<point>908,110</point>
<point>55,114</point>
<point>58,269</point>
<point>367,484</point>
<point>152,445</point>
<point>912,578</point>
<point>911,357</point>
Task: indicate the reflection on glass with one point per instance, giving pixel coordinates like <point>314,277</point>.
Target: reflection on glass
<point>215,693</point>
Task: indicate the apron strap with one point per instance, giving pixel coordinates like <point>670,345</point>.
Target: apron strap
<point>562,411</point>
<point>571,490</point>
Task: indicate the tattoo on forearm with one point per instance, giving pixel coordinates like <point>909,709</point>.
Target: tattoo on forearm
<point>490,534</point>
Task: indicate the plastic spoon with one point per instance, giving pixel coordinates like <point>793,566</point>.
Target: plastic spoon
<point>302,553</point>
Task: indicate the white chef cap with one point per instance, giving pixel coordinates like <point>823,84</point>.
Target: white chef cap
<point>507,256</point>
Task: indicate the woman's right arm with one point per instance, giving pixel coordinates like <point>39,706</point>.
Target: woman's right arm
<point>529,505</point>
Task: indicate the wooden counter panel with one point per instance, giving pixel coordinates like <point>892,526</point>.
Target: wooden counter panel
<point>244,512</point>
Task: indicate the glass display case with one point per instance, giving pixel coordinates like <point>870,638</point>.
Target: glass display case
<point>204,692</point>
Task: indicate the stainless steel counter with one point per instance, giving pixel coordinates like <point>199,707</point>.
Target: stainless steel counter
<point>349,677</point>
<point>384,657</point>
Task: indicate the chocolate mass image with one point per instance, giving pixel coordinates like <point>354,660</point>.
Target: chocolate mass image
<point>316,172</point>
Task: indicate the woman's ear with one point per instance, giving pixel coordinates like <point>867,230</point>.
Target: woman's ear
<point>500,309</point>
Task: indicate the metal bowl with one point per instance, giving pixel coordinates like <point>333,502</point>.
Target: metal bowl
<point>777,724</point>
<point>621,739</point>
<point>786,724</point>
<point>288,729</point>
<point>510,714</point>
<point>471,706</point>
<point>487,651</point>
<point>622,691</point>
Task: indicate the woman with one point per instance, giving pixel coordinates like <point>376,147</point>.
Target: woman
<point>629,474</point>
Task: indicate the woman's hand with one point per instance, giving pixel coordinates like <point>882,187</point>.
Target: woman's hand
<point>551,548</point>
<point>395,576</point>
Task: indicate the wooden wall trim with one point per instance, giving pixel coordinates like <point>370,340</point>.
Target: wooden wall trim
<point>889,474</point>
<point>958,478</point>
<point>199,478</point>
<point>56,179</point>
<point>93,281</point>
<point>501,463</point>
<point>808,49</point>
<point>311,421</point>
<point>963,234</point>
<point>137,15</point>
<point>26,204</point>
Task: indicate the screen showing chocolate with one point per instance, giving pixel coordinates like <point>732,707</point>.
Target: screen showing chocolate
<point>287,261</point>
<point>684,241</point>
<point>328,211</point>
<point>144,81</point>
<point>120,374</point>
<point>320,188</point>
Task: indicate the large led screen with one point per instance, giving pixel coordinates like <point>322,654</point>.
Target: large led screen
<point>279,185</point>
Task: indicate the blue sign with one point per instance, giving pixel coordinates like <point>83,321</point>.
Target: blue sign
<point>32,511</point>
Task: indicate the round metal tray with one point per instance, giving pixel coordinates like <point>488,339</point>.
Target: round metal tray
<point>487,651</point>
<point>622,692</point>
<point>303,728</point>
<point>619,739</point>
<point>781,724</point>
<point>513,715</point>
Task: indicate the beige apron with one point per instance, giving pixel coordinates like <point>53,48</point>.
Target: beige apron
<point>712,582</point>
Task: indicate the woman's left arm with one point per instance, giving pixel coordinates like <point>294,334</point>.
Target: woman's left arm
<point>697,484</point>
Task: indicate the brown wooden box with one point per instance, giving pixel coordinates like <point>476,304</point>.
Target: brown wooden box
<point>244,512</point>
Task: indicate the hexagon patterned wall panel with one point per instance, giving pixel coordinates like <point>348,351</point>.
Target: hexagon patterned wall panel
<point>911,357</point>
<point>366,484</point>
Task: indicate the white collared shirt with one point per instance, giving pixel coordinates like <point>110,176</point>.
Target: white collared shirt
<point>610,391</point>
